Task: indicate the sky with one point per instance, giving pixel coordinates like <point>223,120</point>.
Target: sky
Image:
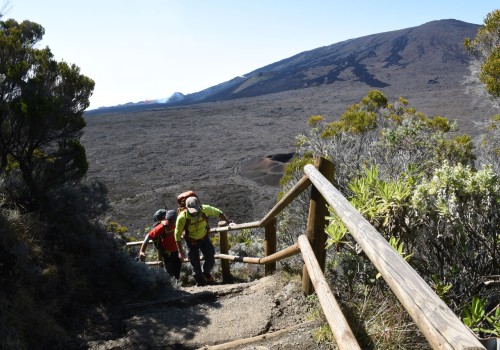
<point>137,50</point>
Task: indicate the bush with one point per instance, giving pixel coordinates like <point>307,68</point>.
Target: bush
<point>417,181</point>
<point>59,265</point>
<point>457,239</point>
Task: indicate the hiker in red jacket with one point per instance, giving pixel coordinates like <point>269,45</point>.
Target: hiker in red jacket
<point>162,235</point>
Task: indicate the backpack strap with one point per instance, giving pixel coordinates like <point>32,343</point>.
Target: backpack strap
<point>204,216</point>
<point>157,239</point>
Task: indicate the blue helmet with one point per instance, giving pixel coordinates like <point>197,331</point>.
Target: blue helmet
<point>160,215</point>
<point>171,215</point>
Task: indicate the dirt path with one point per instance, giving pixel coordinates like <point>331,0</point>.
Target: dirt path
<point>200,318</point>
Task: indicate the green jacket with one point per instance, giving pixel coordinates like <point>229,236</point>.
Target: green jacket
<point>197,224</point>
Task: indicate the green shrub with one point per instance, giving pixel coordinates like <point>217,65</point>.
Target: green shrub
<point>475,316</point>
<point>433,193</point>
<point>58,266</point>
<point>458,211</point>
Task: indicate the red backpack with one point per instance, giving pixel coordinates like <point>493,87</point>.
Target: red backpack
<point>181,200</point>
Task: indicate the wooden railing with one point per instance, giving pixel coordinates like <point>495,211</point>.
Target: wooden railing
<point>437,322</point>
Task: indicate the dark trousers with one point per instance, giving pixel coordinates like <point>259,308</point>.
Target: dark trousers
<point>172,264</point>
<point>208,251</point>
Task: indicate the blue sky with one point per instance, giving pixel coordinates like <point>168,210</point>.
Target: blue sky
<point>148,49</point>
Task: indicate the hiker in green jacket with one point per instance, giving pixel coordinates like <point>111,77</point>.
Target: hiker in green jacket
<point>192,224</point>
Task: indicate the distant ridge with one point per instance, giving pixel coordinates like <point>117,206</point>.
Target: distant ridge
<point>412,59</point>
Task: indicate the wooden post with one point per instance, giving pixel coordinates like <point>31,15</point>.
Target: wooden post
<point>224,249</point>
<point>270,245</point>
<point>316,224</point>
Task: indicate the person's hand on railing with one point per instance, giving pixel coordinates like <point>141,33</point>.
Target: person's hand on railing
<point>142,256</point>
<point>228,222</point>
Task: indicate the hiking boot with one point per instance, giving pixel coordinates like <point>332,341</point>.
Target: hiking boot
<point>201,284</point>
<point>200,280</point>
<point>209,277</point>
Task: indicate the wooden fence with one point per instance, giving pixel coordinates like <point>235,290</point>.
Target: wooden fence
<point>437,322</point>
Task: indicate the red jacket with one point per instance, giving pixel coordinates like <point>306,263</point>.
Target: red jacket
<point>165,231</point>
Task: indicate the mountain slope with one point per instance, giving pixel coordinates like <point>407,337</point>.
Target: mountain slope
<point>414,58</point>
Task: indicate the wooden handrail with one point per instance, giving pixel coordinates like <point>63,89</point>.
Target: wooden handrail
<point>299,187</point>
<point>344,338</point>
<point>132,244</point>
<point>282,254</point>
<point>441,327</point>
<point>234,227</point>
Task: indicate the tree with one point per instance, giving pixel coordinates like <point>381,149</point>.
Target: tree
<point>41,114</point>
<point>484,79</point>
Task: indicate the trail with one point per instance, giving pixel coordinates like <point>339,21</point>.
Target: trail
<point>215,317</point>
